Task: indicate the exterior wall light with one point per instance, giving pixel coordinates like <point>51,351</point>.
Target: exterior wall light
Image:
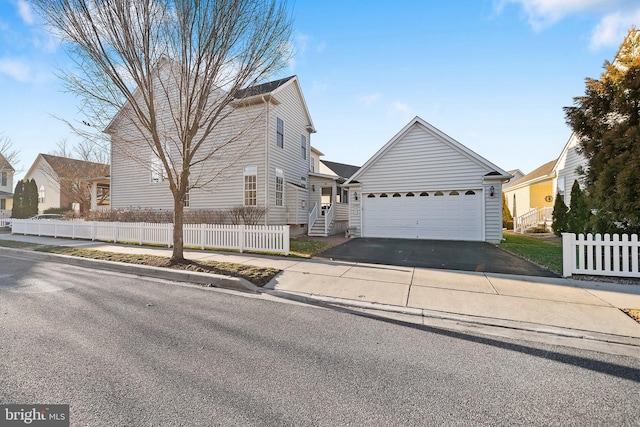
<point>492,191</point>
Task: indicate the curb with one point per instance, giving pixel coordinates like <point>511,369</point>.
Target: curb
<point>214,280</point>
<point>506,325</point>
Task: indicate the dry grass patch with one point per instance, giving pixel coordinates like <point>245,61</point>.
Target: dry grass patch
<point>259,276</point>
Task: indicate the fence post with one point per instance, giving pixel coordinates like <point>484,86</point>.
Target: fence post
<point>568,254</point>
<point>286,240</point>
<point>94,231</point>
<point>170,234</point>
<point>241,237</point>
<point>203,235</point>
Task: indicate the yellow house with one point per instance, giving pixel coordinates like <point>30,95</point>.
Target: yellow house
<point>533,192</point>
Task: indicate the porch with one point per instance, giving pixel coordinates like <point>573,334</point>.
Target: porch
<point>536,218</point>
<point>329,206</point>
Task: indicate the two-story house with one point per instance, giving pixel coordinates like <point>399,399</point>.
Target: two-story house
<point>259,155</point>
<point>6,186</point>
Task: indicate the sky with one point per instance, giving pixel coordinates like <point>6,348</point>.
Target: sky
<point>492,74</point>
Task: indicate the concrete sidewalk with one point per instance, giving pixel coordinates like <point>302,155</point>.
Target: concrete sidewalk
<point>563,306</point>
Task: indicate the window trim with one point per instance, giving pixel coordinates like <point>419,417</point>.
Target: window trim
<point>279,133</point>
<point>303,146</point>
<point>279,193</point>
<point>4,178</point>
<point>250,185</point>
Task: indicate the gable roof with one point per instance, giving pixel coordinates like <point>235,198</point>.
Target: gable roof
<point>493,171</point>
<point>5,165</point>
<point>341,169</point>
<point>541,173</point>
<point>71,168</point>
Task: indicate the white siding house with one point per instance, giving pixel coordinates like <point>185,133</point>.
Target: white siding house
<point>262,158</point>
<point>423,184</point>
<point>566,169</point>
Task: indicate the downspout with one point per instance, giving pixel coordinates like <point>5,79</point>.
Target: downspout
<point>266,163</point>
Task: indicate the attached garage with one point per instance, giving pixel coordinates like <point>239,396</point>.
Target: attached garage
<point>424,185</point>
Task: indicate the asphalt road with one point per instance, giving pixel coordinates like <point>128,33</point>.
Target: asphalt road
<point>123,350</point>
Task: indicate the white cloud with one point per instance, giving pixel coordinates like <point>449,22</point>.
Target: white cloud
<point>369,99</point>
<point>617,16</point>
<point>613,28</point>
<point>402,109</point>
<point>16,69</point>
<point>25,12</point>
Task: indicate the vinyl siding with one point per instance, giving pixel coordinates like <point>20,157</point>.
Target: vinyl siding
<point>219,179</point>
<point>570,160</point>
<point>493,213</point>
<point>291,110</point>
<point>355,211</point>
<point>522,201</point>
<point>420,161</point>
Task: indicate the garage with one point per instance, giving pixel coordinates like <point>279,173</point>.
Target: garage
<point>439,215</point>
<point>423,184</point>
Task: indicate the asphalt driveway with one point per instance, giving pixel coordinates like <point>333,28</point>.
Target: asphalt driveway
<point>439,254</point>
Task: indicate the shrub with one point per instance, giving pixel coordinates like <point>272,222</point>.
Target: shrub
<point>560,212</point>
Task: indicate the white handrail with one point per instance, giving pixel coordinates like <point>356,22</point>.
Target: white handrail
<point>328,218</point>
<point>313,215</point>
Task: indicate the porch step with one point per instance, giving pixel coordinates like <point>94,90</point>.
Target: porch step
<point>317,230</point>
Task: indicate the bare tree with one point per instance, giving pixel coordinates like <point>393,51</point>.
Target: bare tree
<point>9,153</point>
<point>142,58</point>
<point>86,150</point>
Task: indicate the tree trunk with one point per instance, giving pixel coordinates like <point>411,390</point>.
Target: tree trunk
<point>177,256</point>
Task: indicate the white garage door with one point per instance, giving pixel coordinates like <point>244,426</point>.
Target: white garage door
<point>442,215</point>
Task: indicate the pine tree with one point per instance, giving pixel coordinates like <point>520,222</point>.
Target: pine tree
<point>560,213</point>
<point>607,121</point>
<point>30,198</point>
<point>18,201</point>
<point>579,214</point>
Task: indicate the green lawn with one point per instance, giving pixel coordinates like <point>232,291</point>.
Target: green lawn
<point>306,248</point>
<point>543,252</point>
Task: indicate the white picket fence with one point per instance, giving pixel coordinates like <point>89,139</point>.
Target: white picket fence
<point>4,222</point>
<point>258,238</point>
<point>598,255</point>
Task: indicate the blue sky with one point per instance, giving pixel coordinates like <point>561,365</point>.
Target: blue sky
<point>493,74</point>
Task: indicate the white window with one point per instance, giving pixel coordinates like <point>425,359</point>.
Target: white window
<point>41,194</point>
<point>561,185</point>
<point>250,185</point>
<point>279,132</point>
<point>3,180</point>
<point>279,187</point>
<point>3,204</point>
<point>303,147</point>
<point>158,173</point>
<point>187,201</point>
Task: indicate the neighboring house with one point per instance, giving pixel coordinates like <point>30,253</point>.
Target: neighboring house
<point>61,181</point>
<point>6,187</point>
<point>100,192</point>
<point>534,190</point>
<point>566,169</point>
<point>424,184</point>
<point>266,166</point>
<point>517,174</point>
